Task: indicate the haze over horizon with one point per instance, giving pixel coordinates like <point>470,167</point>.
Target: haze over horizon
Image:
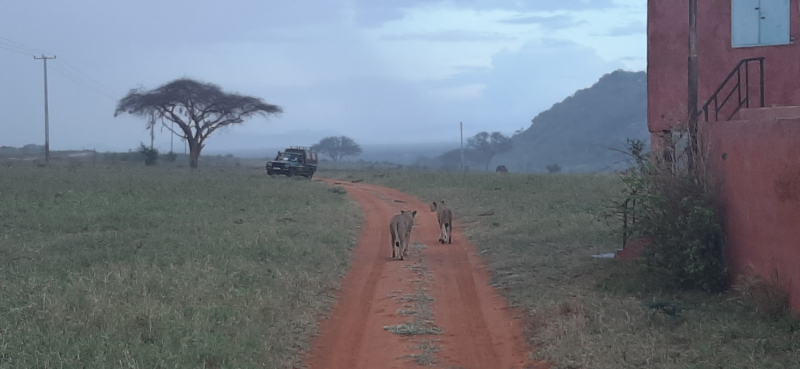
<point>380,72</point>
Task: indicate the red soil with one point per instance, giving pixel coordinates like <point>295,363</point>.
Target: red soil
<point>479,331</point>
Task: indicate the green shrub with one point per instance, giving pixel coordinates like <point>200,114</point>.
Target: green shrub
<point>170,157</point>
<point>111,157</point>
<point>676,210</point>
<point>554,168</point>
<point>150,154</point>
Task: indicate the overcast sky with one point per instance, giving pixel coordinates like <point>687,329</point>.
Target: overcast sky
<point>379,71</point>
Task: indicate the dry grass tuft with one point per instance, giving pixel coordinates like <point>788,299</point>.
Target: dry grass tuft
<point>423,323</point>
<point>428,348</point>
<point>769,298</point>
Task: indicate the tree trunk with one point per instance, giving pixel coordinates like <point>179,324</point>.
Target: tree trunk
<point>488,161</point>
<point>194,153</point>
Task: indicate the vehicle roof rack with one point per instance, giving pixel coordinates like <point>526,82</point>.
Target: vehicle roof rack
<point>309,148</point>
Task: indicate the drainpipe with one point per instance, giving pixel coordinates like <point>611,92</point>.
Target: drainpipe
<point>692,93</point>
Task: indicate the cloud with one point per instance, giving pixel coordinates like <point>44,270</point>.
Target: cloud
<point>551,22</point>
<point>463,92</point>
<point>375,108</point>
<point>372,13</point>
<point>451,36</point>
<point>537,5</point>
<point>471,69</point>
<point>628,29</point>
<point>313,58</point>
<point>125,45</point>
<point>525,82</point>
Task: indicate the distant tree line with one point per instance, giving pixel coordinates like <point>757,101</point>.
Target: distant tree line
<point>29,149</point>
<point>478,153</point>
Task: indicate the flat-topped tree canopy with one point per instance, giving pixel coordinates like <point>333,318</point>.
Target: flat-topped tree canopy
<point>489,145</point>
<point>337,147</point>
<point>197,108</point>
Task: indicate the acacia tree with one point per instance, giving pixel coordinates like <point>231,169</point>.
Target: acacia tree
<point>489,145</point>
<point>452,159</point>
<point>198,109</point>
<point>337,147</point>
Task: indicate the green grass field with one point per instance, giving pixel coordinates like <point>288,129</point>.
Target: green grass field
<point>537,234</point>
<point>149,267</point>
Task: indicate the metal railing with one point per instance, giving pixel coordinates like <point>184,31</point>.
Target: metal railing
<point>741,101</point>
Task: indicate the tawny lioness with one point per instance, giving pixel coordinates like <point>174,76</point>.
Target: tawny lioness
<point>400,227</point>
<point>445,217</point>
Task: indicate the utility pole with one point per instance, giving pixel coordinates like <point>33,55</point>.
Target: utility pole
<point>693,153</point>
<point>46,113</point>
<point>462,145</point>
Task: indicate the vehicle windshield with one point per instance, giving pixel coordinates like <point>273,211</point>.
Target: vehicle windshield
<point>289,157</point>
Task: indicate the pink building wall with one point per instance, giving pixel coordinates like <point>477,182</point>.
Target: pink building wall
<point>756,156</point>
<point>667,55</point>
<point>758,164</point>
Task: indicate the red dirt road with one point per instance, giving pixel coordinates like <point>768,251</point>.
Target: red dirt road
<point>478,329</point>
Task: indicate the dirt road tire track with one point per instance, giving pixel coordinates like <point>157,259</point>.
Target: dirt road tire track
<point>479,331</point>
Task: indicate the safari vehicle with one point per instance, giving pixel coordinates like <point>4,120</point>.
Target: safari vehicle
<point>296,160</point>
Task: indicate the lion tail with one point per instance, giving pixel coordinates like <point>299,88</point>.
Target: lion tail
<point>395,238</point>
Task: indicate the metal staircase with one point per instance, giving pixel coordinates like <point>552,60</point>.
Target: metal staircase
<point>740,90</point>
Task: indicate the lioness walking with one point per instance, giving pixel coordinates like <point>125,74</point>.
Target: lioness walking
<point>400,228</point>
<point>445,217</point>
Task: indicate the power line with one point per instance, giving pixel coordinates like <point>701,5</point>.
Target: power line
<point>12,45</point>
<point>68,70</point>
<point>16,47</point>
<point>69,75</point>
<point>76,80</point>
<point>3,46</point>
<point>21,46</point>
<point>102,86</point>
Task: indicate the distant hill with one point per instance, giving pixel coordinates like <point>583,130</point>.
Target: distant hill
<point>579,132</point>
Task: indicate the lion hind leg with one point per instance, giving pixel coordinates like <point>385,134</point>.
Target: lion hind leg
<point>395,240</point>
<point>405,243</point>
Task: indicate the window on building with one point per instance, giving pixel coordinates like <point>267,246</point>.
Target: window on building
<point>759,22</point>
